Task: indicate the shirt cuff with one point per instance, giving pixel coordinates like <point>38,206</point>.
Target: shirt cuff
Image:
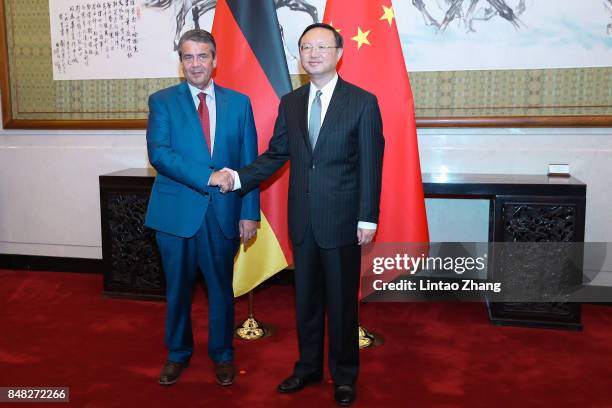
<point>237,184</point>
<point>363,224</point>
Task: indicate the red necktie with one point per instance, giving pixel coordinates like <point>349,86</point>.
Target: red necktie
<point>204,119</point>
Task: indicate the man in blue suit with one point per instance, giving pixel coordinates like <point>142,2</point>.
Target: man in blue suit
<point>195,128</point>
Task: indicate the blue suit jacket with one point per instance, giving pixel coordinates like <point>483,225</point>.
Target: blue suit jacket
<point>177,150</point>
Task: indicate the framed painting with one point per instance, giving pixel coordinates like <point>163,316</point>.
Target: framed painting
<point>519,94</point>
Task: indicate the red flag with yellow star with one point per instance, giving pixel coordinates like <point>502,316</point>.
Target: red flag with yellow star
<point>373,60</point>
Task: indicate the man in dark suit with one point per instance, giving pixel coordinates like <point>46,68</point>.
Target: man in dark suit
<point>331,132</point>
<point>194,128</point>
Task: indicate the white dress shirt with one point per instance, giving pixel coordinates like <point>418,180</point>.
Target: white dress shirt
<point>326,95</point>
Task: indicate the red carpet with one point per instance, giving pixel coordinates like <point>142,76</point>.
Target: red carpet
<point>56,329</point>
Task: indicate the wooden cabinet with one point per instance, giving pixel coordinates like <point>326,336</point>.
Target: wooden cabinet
<point>523,208</point>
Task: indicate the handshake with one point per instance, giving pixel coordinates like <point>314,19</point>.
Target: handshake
<point>224,179</point>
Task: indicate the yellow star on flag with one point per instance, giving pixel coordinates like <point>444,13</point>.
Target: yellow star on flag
<point>388,15</point>
<point>335,28</point>
<point>361,37</point>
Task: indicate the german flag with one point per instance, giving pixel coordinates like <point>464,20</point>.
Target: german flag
<point>251,60</point>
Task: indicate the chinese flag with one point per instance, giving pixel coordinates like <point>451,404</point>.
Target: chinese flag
<point>373,60</point>
<point>251,60</point>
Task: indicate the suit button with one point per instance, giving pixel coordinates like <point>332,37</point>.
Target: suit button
<point>206,193</point>
<point>313,166</point>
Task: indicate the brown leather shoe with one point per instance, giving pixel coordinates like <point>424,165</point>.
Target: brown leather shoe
<point>171,371</point>
<point>225,372</point>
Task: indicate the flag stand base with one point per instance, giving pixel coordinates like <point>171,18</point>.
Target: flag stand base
<point>369,339</point>
<point>251,328</point>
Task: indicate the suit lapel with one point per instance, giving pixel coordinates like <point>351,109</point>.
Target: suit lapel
<point>185,102</point>
<point>336,105</point>
<point>302,110</point>
<point>221,102</point>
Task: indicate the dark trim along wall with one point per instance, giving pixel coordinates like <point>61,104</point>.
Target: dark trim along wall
<point>50,263</point>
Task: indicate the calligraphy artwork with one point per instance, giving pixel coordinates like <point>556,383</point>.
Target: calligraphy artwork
<point>109,39</point>
<point>125,39</point>
<point>96,29</point>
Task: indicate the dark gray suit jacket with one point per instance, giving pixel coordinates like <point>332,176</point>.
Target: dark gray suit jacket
<point>337,184</point>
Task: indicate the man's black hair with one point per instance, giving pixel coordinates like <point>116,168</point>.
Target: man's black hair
<point>337,36</point>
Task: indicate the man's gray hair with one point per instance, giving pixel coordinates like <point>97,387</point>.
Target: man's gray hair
<point>199,36</point>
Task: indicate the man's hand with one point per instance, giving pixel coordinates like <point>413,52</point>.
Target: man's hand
<point>223,179</point>
<point>365,236</point>
<point>248,229</point>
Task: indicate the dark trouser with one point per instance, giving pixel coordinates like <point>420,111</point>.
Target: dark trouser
<point>327,277</point>
<point>214,254</point>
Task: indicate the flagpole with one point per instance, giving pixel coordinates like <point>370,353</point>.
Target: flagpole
<point>251,328</point>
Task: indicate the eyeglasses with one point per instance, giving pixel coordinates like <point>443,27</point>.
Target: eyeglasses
<point>320,48</point>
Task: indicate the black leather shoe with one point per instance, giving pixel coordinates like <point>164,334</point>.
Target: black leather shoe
<point>171,371</point>
<point>295,383</point>
<point>345,395</point>
<point>225,373</point>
